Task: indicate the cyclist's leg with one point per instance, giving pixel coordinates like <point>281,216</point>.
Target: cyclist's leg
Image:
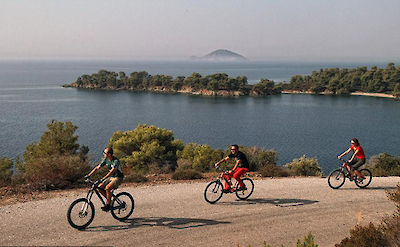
<point>113,184</point>
<point>238,173</point>
<point>226,184</point>
<point>357,165</point>
<point>351,165</point>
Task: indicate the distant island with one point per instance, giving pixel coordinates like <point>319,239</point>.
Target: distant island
<point>221,55</point>
<point>376,82</point>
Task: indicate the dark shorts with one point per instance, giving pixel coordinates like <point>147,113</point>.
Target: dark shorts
<point>356,163</point>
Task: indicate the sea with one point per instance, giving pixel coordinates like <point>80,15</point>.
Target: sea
<point>316,126</point>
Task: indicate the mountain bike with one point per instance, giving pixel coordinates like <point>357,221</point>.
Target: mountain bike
<point>338,176</point>
<point>81,212</point>
<point>215,189</point>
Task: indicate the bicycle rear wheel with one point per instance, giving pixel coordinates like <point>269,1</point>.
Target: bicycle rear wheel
<point>80,213</point>
<point>362,183</point>
<point>336,179</point>
<point>213,192</point>
<point>245,193</point>
<point>122,206</point>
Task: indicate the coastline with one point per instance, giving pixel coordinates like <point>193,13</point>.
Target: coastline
<point>378,95</point>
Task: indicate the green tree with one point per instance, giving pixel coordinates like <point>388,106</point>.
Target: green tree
<point>57,158</point>
<point>202,157</point>
<point>146,146</point>
<point>6,171</point>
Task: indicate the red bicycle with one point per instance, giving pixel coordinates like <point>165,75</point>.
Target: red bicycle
<point>215,189</point>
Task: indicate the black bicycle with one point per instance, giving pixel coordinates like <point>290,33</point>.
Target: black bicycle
<point>81,212</point>
<point>215,189</point>
<point>338,176</point>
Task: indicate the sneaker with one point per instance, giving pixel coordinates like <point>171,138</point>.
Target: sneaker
<point>106,208</point>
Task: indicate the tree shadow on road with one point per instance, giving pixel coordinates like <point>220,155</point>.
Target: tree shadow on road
<point>277,202</point>
<point>174,223</point>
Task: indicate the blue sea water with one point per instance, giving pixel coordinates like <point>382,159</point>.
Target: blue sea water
<point>294,125</point>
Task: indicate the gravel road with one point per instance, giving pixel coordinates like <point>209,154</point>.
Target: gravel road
<point>280,211</point>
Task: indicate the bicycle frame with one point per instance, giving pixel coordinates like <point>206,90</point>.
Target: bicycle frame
<point>95,190</point>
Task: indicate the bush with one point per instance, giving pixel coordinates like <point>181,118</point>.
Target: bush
<point>273,171</point>
<point>258,157</point>
<point>55,172</point>
<point>5,171</point>
<point>146,145</point>
<point>307,242</point>
<point>384,165</point>
<point>365,236</point>
<point>305,167</point>
<point>56,161</point>
<point>201,157</point>
<point>135,177</point>
<point>186,174</point>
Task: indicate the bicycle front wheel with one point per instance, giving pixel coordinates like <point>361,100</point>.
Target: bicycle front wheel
<point>336,179</point>
<point>80,213</point>
<point>213,192</point>
<point>122,206</point>
<point>362,183</point>
<point>244,193</point>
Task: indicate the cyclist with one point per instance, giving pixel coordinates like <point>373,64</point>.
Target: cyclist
<point>357,160</point>
<point>112,179</point>
<point>240,168</point>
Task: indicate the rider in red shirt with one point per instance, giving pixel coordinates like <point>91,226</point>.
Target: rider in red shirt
<point>358,158</point>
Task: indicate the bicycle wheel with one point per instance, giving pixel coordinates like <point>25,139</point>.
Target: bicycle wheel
<point>80,213</point>
<point>247,191</point>
<point>213,191</point>
<point>364,182</point>
<point>336,179</point>
<point>122,206</point>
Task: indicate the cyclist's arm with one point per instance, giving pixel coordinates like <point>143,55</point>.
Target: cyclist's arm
<point>94,170</point>
<point>110,173</point>
<point>344,153</point>
<point>354,155</point>
<point>236,165</point>
<point>221,161</point>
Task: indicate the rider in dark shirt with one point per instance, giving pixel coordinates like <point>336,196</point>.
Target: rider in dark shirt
<point>241,166</point>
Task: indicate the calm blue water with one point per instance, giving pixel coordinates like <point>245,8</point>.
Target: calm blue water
<point>317,126</point>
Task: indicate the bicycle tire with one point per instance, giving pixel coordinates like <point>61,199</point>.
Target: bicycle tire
<point>336,179</point>
<point>365,182</point>
<point>213,192</point>
<point>122,206</point>
<point>80,217</point>
<point>244,194</point>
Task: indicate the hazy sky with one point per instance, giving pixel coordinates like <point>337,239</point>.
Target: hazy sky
<point>177,29</point>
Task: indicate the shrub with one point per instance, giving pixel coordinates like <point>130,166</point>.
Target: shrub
<point>6,171</point>
<point>272,170</point>
<point>201,157</point>
<point>146,145</point>
<point>305,167</point>
<point>307,242</point>
<point>259,157</point>
<point>365,236</point>
<point>384,165</point>
<point>56,161</point>
<point>186,174</point>
<point>135,177</point>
